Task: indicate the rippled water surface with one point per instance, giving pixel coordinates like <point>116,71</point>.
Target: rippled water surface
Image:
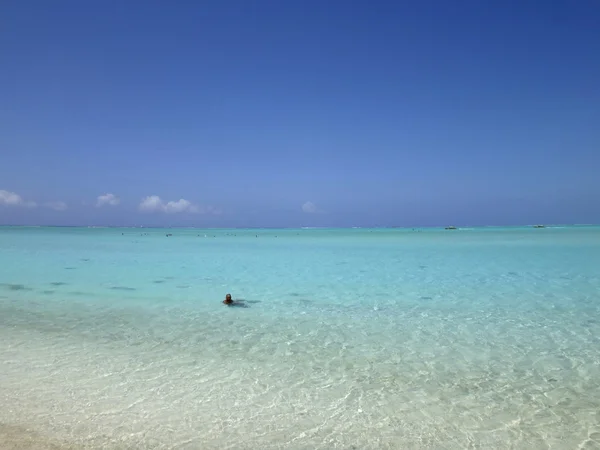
<point>117,338</point>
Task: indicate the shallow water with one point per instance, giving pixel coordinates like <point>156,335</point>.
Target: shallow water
<point>483,338</point>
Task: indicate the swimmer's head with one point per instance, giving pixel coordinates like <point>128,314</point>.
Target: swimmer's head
<point>228,299</point>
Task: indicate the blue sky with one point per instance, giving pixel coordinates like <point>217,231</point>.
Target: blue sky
<point>279,113</point>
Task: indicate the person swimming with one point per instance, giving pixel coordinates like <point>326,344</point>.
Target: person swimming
<point>230,302</point>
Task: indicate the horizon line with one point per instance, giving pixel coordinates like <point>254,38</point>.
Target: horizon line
<point>457,227</point>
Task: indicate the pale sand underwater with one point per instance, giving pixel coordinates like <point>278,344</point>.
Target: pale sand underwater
<point>20,438</point>
<point>352,339</point>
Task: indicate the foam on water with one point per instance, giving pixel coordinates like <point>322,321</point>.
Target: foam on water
<point>483,338</point>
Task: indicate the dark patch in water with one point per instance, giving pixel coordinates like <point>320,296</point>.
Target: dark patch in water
<point>238,304</point>
<point>158,281</point>
<point>422,267</point>
<point>85,259</point>
<point>552,380</point>
<point>247,301</point>
<point>514,274</point>
<point>426,298</point>
<point>16,287</point>
<point>294,294</point>
<point>48,292</point>
<point>122,288</point>
<point>69,268</point>
<point>58,283</point>
<point>78,293</point>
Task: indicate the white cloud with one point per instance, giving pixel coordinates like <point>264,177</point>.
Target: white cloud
<point>56,206</point>
<point>8,198</point>
<point>107,199</point>
<point>153,203</point>
<point>309,208</point>
<point>180,205</point>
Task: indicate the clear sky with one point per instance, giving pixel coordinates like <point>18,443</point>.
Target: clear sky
<point>305,113</point>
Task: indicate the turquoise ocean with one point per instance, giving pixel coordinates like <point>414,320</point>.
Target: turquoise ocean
<point>116,338</point>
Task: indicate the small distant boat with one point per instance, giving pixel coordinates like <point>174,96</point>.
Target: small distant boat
<point>539,226</point>
<point>450,228</point>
